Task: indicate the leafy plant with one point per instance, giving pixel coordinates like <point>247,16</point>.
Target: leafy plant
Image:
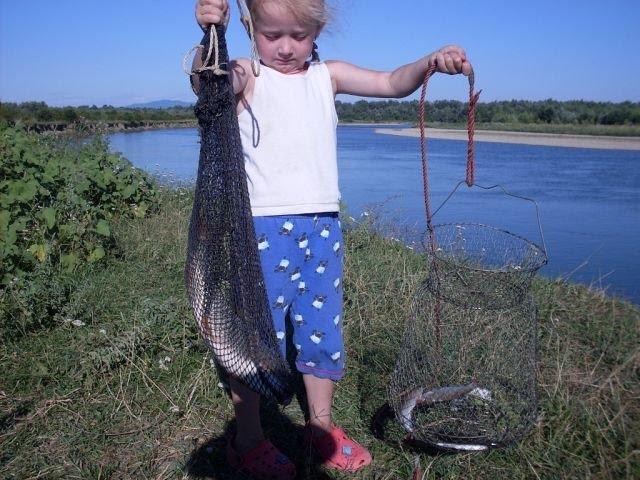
<point>57,202</point>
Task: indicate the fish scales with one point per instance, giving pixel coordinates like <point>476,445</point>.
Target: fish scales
<point>223,275</point>
<point>421,396</point>
<point>445,394</point>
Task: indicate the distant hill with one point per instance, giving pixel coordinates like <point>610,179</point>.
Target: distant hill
<point>161,104</point>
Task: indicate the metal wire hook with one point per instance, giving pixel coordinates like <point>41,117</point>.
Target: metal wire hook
<point>506,192</point>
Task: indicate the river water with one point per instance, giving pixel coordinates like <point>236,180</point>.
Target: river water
<point>588,199</point>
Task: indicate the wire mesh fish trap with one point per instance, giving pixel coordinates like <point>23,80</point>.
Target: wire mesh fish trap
<point>465,378</point>
<point>482,266</point>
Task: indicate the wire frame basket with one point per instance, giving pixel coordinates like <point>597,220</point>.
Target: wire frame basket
<point>465,378</point>
<point>465,375</point>
<point>482,266</point>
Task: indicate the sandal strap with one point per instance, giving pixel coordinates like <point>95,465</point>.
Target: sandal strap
<point>338,451</point>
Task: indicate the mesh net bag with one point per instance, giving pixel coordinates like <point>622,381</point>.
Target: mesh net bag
<point>223,275</point>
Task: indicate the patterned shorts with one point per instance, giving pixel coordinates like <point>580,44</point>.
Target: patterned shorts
<point>301,259</point>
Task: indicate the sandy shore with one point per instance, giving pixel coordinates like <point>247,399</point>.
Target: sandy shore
<point>548,139</point>
<point>371,124</point>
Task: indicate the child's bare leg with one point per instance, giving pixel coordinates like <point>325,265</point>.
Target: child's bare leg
<point>319,398</point>
<point>246,404</point>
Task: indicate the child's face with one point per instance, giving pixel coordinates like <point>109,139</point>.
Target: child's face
<point>283,43</point>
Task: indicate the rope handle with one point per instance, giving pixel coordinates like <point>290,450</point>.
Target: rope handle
<point>246,20</point>
<point>216,30</point>
<point>471,113</point>
<point>473,100</point>
<point>213,50</point>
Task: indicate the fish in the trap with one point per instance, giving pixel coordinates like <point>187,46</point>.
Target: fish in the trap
<point>421,397</point>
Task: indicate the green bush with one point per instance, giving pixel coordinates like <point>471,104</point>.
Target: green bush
<point>34,301</point>
<point>56,204</point>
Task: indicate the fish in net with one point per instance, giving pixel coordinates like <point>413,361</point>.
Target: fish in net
<point>223,275</point>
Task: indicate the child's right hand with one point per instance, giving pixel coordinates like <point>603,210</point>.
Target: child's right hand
<point>212,12</point>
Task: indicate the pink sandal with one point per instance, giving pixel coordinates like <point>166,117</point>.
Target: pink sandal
<point>336,450</point>
<point>264,462</point>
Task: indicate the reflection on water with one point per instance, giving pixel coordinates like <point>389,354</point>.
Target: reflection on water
<point>589,200</point>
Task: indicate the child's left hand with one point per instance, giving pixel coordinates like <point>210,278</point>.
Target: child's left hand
<point>450,59</point>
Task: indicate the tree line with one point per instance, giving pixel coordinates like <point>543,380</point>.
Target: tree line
<point>575,112</point>
<point>514,111</point>
<point>40,112</point>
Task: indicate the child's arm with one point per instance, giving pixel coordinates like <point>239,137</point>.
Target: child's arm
<point>350,79</point>
<point>215,12</point>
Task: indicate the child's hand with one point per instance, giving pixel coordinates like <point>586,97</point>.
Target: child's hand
<point>212,12</point>
<point>451,59</point>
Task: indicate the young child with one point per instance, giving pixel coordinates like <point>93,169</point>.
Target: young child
<point>288,128</point>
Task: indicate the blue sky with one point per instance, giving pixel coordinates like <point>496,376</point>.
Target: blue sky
<point>119,52</point>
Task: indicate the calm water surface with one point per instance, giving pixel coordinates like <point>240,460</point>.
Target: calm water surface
<point>589,200</point>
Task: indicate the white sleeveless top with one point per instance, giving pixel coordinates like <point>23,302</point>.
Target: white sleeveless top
<point>289,141</point>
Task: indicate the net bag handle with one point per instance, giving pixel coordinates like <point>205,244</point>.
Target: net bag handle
<point>473,99</point>
<point>214,32</point>
<point>470,173</point>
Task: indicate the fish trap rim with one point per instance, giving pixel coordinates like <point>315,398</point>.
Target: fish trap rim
<point>432,235</point>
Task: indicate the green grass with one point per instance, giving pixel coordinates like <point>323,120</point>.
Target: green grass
<point>101,401</point>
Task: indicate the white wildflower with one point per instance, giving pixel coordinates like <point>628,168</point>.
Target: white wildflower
<point>482,393</point>
<point>163,363</point>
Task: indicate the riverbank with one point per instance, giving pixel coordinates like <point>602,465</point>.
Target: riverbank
<point>524,138</point>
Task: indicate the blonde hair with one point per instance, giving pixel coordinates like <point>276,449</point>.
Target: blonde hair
<point>308,12</point>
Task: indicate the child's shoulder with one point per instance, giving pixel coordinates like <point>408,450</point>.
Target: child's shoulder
<point>335,68</point>
<point>242,64</point>
<point>337,65</point>
<point>242,76</point>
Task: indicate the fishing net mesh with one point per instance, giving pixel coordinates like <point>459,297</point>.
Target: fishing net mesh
<point>465,375</point>
<point>223,275</point>
<point>481,266</point>
<point>488,354</point>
